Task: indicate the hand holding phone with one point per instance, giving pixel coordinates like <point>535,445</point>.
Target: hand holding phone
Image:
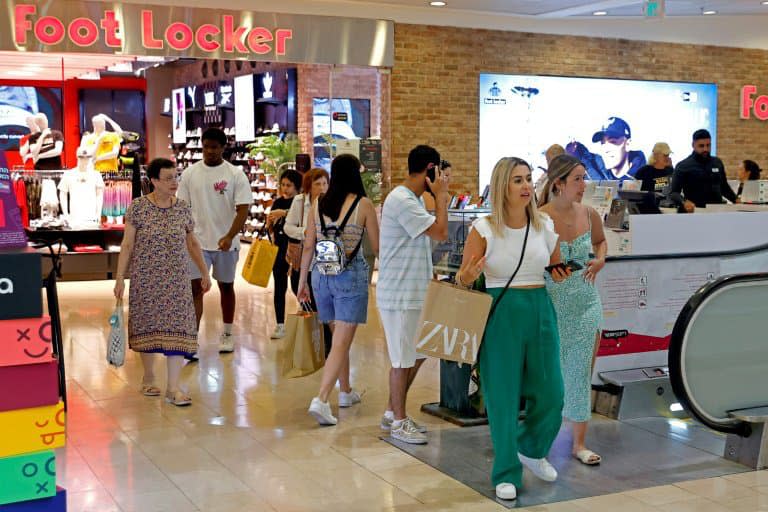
<point>559,272</point>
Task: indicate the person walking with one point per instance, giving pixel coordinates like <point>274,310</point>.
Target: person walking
<point>577,301</point>
<point>161,314</point>
<point>520,354</point>
<point>219,194</point>
<point>340,285</point>
<point>290,185</point>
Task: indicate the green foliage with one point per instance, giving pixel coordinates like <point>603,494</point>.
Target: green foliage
<point>372,184</point>
<point>276,152</point>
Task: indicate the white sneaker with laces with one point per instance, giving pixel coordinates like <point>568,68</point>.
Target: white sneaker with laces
<point>407,433</point>
<point>279,332</point>
<point>321,411</point>
<point>349,399</point>
<point>540,467</point>
<point>506,491</point>
<point>386,423</point>
<point>226,344</point>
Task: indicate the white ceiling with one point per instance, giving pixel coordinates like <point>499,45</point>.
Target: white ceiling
<point>53,66</point>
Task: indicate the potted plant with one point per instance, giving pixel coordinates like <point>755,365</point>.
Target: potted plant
<point>275,151</point>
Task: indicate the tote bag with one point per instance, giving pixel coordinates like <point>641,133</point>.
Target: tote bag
<point>259,262</point>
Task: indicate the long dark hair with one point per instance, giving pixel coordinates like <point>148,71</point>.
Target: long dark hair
<point>753,169</point>
<point>345,180</point>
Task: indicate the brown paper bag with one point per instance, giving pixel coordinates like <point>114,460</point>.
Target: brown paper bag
<point>452,322</point>
<point>303,351</point>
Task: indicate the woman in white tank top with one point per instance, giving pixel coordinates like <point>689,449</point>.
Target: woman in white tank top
<point>520,353</point>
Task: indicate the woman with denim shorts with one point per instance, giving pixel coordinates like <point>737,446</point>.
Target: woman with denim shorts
<point>342,299</point>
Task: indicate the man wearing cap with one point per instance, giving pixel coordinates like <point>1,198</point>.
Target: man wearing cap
<point>656,176</point>
<point>613,137</point>
<point>700,179</point>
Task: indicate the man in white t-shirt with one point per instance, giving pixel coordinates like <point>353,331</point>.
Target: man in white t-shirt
<point>219,194</point>
<point>405,269</point>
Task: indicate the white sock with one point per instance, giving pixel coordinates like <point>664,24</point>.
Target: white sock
<point>397,424</point>
<point>389,415</point>
<point>280,326</point>
<point>228,329</point>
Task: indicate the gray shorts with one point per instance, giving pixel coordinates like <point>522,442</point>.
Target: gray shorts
<point>224,265</point>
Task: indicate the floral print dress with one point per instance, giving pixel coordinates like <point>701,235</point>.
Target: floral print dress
<point>161,313</point>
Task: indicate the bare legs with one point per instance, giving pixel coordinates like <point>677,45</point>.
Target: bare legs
<point>174,365</point>
<point>337,363</point>
<point>580,427</point>
<point>400,380</point>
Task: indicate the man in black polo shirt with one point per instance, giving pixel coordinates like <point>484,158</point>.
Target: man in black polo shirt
<point>700,179</point>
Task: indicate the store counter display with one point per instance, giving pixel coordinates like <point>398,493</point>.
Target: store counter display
<point>86,254</point>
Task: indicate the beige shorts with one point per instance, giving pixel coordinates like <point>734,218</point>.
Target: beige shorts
<point>400,329</point>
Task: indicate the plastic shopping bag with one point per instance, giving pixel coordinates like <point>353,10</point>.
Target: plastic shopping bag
<point>117,337</point>
<point>259,262</point>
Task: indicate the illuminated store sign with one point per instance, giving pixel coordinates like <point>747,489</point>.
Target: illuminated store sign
<point>135,29</point>
<point>751,104</point>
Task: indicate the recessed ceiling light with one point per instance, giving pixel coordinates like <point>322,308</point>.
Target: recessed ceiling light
<point>765,2</point>
<point>708,13</point>
<point>20,72</point>
<point>437,4</point>
<point>599,13</point>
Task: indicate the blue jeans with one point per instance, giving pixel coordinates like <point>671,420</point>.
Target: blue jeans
<point>343,297</point>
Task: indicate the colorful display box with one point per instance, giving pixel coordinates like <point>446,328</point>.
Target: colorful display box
<point>28,477</point>
<point>32,430</point>
<point>25,341</point>
<point>20,284</point>
<point>29,385</point>
<point>57,503</point>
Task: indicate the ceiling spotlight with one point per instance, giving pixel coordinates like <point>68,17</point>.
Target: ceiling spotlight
<point>437,4</point>
<point>599,13</point>
<point>764,3</point>
<point>708,13</point>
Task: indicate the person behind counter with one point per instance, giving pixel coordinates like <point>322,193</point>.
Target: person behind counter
<point>748,171</point>
<point>700,179</point>
<point>520,353</point>
<point>656,176</point>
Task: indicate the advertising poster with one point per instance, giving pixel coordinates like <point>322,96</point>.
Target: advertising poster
<point>11,229</point>
<point>610,125</point>
<point>179,111</point>
<point>245,114</point>
<point>642,299</point>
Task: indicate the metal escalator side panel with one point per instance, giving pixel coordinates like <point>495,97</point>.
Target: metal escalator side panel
<point>687,338</point>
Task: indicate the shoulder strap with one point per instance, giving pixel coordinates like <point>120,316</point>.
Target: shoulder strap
<point>349,213</point>
<point>340,228</point>
<point>301,218</point>
<point>589,218</point>
<point>519,264</point>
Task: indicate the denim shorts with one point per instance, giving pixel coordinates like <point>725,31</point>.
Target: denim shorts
<point>343,297</point>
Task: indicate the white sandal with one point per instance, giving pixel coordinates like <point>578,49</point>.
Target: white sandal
<point>588,457</point>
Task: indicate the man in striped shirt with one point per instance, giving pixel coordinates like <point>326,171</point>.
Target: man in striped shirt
<point>405,269</point>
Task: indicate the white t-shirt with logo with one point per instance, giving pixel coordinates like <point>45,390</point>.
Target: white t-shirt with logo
<point>213,194</point>
<point>83,187</point>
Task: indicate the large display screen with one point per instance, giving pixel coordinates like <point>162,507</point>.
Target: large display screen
<point>339,118</point>
<point>245,114</point>
<point>609,124</point>
<point>19,102</point>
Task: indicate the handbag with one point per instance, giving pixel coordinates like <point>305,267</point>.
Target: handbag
<point>259,262</point>
<point>303,351</point>
<point>294,249</point>
<point>117,335</point>
<point>452,322</point>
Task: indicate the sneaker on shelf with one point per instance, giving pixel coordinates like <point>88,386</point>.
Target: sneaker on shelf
<point>279,332</point>
<point>321,411</point>
<point>226,344</point>
<point>506,491</point>
<point>386,423</point>
<point>407,433</point>
<point>349,399</point>
<point>540,467</point>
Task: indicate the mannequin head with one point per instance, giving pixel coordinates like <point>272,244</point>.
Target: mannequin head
<point>42,121</point>
<point>99,123</point>
<point>84,156</point>
<point>32,124</point>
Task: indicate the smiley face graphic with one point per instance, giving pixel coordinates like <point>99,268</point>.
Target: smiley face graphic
<point>38,346</point>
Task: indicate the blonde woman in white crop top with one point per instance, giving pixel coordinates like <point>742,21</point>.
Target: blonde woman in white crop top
<point>520,353</point>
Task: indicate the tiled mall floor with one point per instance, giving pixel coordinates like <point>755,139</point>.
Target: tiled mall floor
<point>247,443</point>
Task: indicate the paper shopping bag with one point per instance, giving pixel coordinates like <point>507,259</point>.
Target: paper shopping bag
<point>259,262</point>
<point>452,322</point>
<point>303,351</point>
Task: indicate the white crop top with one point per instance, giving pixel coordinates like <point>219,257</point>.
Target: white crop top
<point>503,253</point>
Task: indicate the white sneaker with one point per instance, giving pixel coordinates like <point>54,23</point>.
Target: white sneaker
<point>540,467</point>
<point>386,424</point>
<point>408,433</point>
<point>349,399</point>
<point>279,332</point>
<point>506,491</point>
<point>226,344</point>
<point>321,411</point>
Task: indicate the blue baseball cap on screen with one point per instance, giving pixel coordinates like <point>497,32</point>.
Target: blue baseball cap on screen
<point>614,128</point>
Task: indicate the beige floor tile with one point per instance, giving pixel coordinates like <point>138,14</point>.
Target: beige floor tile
<point>697,505</point>
<point>750,478</point>
<point>614,502</point>
<point>717,489</point>
<point>201,485</point>
<point>750,504</point>
<point>161,501</point>
<point>236,502</point>
<point>385,461</point>
<point>661,495</point>
<point>567,506</point>
<point>91,501</point>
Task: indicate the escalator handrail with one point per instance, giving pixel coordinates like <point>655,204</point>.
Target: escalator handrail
<point>710,254</point>
<point>676,343</point>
